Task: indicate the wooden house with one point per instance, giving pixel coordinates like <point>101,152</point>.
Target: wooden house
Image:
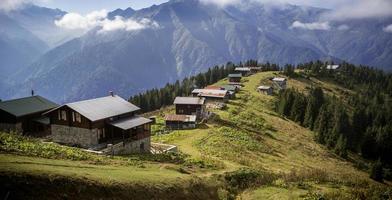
<point>235,78</point>
<point>95,123</point>
<point>265,89</point>
<point>189,106</point>
<point>244,71</point>
<point>174,121</point>
<point>212,95</point>
<point>24,115</point>
<point>280,83</point>
<point>254,70</point>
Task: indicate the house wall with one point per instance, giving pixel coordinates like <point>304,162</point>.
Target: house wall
<point>54,119</point>
<point>182,109</point>
<point>74,135</point>
<point>6,127</point>
<point>235,80</point>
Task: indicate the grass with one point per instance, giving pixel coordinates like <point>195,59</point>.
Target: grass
<point>247,134</point>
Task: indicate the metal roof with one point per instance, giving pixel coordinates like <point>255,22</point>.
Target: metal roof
<point>235,75</point>
<point>180,118</point>
<point>189,100</point>
<point>333,66</point>
<point>245,69</point>
<point>230,87</point>
<point>279,79</point>
<point>27,105</point>
<point>102,108</point>
<point>264,87</point>
<point>210,93</point>
<point>130,122</point>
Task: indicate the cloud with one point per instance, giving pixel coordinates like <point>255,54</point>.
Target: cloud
<point>311,26</point>
<point>221,3</point>
<point>343,27</point>
<point>361,9</point>
<point>388,28</point>
<point>99,19</point>
<point>10,5</point>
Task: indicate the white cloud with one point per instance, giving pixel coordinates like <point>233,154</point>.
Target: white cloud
<point>361,9</point>
<point>9,5</point>
<point>99,19</point>
<point>388,28</point>
<point>343,27</point>
<point>221,3</point>
<point>311,26</point>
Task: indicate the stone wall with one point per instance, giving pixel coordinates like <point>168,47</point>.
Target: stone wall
<point>74,136</point>
<point>11,127</point>
<point>129,147</point>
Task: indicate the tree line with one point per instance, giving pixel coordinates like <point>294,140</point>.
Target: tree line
<point>360,122</point>
<point>156,98</point>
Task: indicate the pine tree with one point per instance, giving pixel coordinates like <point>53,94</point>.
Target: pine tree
<point>298,109</point>
<point>341,147</point>
<point>376,172</point>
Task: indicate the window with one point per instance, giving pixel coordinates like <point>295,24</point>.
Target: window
<point>78,117</point>
<point>73,117</point>
<point>59,114</point>
<point>64,115</point>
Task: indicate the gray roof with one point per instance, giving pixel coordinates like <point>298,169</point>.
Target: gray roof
<point>131,122</point>
<point>230,87</point>
<point>28,105</point>
<point>235,75</point>
<point>189,100</point>
<point>102,108</point>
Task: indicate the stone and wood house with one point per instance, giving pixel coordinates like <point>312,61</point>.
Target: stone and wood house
<point>268,90</point>
<point>24,115</point>
<point>280,83</point>
<point>95,123</point>
<point>234,78</point>
<point>190,106</point>
<point>244,71</point>
<point>211,95</point>
<point>174,121</point>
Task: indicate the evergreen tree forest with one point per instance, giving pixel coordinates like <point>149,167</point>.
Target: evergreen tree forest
<point>156,98</point>
<point>360,122</point>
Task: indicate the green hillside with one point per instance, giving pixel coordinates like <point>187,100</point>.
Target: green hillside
<point>246,151</point>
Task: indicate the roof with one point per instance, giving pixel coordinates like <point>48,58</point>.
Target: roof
<point>242,69</point>
<point>333,66</point>
<point>130,122</point>
<point>102,108</point>
<point>189,100</point>
<point>279,79</point>
<point>27,105</point>
<point>213,87</point>
<point>264,87</point>
<point>210,93</point>
<point>235,75</point>
<point>230,87</point>
<point>180,118</point>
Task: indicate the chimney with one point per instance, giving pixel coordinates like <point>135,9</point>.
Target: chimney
<point>111,93</point>
<point>32,92</point>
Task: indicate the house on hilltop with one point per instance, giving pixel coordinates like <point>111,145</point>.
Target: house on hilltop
<point>212,95</point>
<point>97,122</point>
<point>280,83</point>
<point>244,71</point>
<point>235,79</point>
<point>24,115</point>
<point>265,89</point>
<point>333,67</point>
<point>174,121</point>
<point>190,106</point>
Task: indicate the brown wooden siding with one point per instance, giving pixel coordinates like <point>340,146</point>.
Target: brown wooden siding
<point>183,109</point>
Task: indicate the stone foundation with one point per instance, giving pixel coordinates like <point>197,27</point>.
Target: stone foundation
<point>74,136</point>
<point>130,147</point>
<point>17,128</point>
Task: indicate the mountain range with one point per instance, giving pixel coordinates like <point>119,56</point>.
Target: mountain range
<point>186,37</point>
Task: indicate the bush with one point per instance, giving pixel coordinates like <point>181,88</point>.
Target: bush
<point>376,172</point>
<point>246,178</point>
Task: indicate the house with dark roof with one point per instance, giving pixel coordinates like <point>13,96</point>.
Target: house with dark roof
<point>24,115</point>
<point>212,95</point>
<point>174,121</point>
<point>189,106</point>
<point>95,123</point>
<point>235,78</point>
